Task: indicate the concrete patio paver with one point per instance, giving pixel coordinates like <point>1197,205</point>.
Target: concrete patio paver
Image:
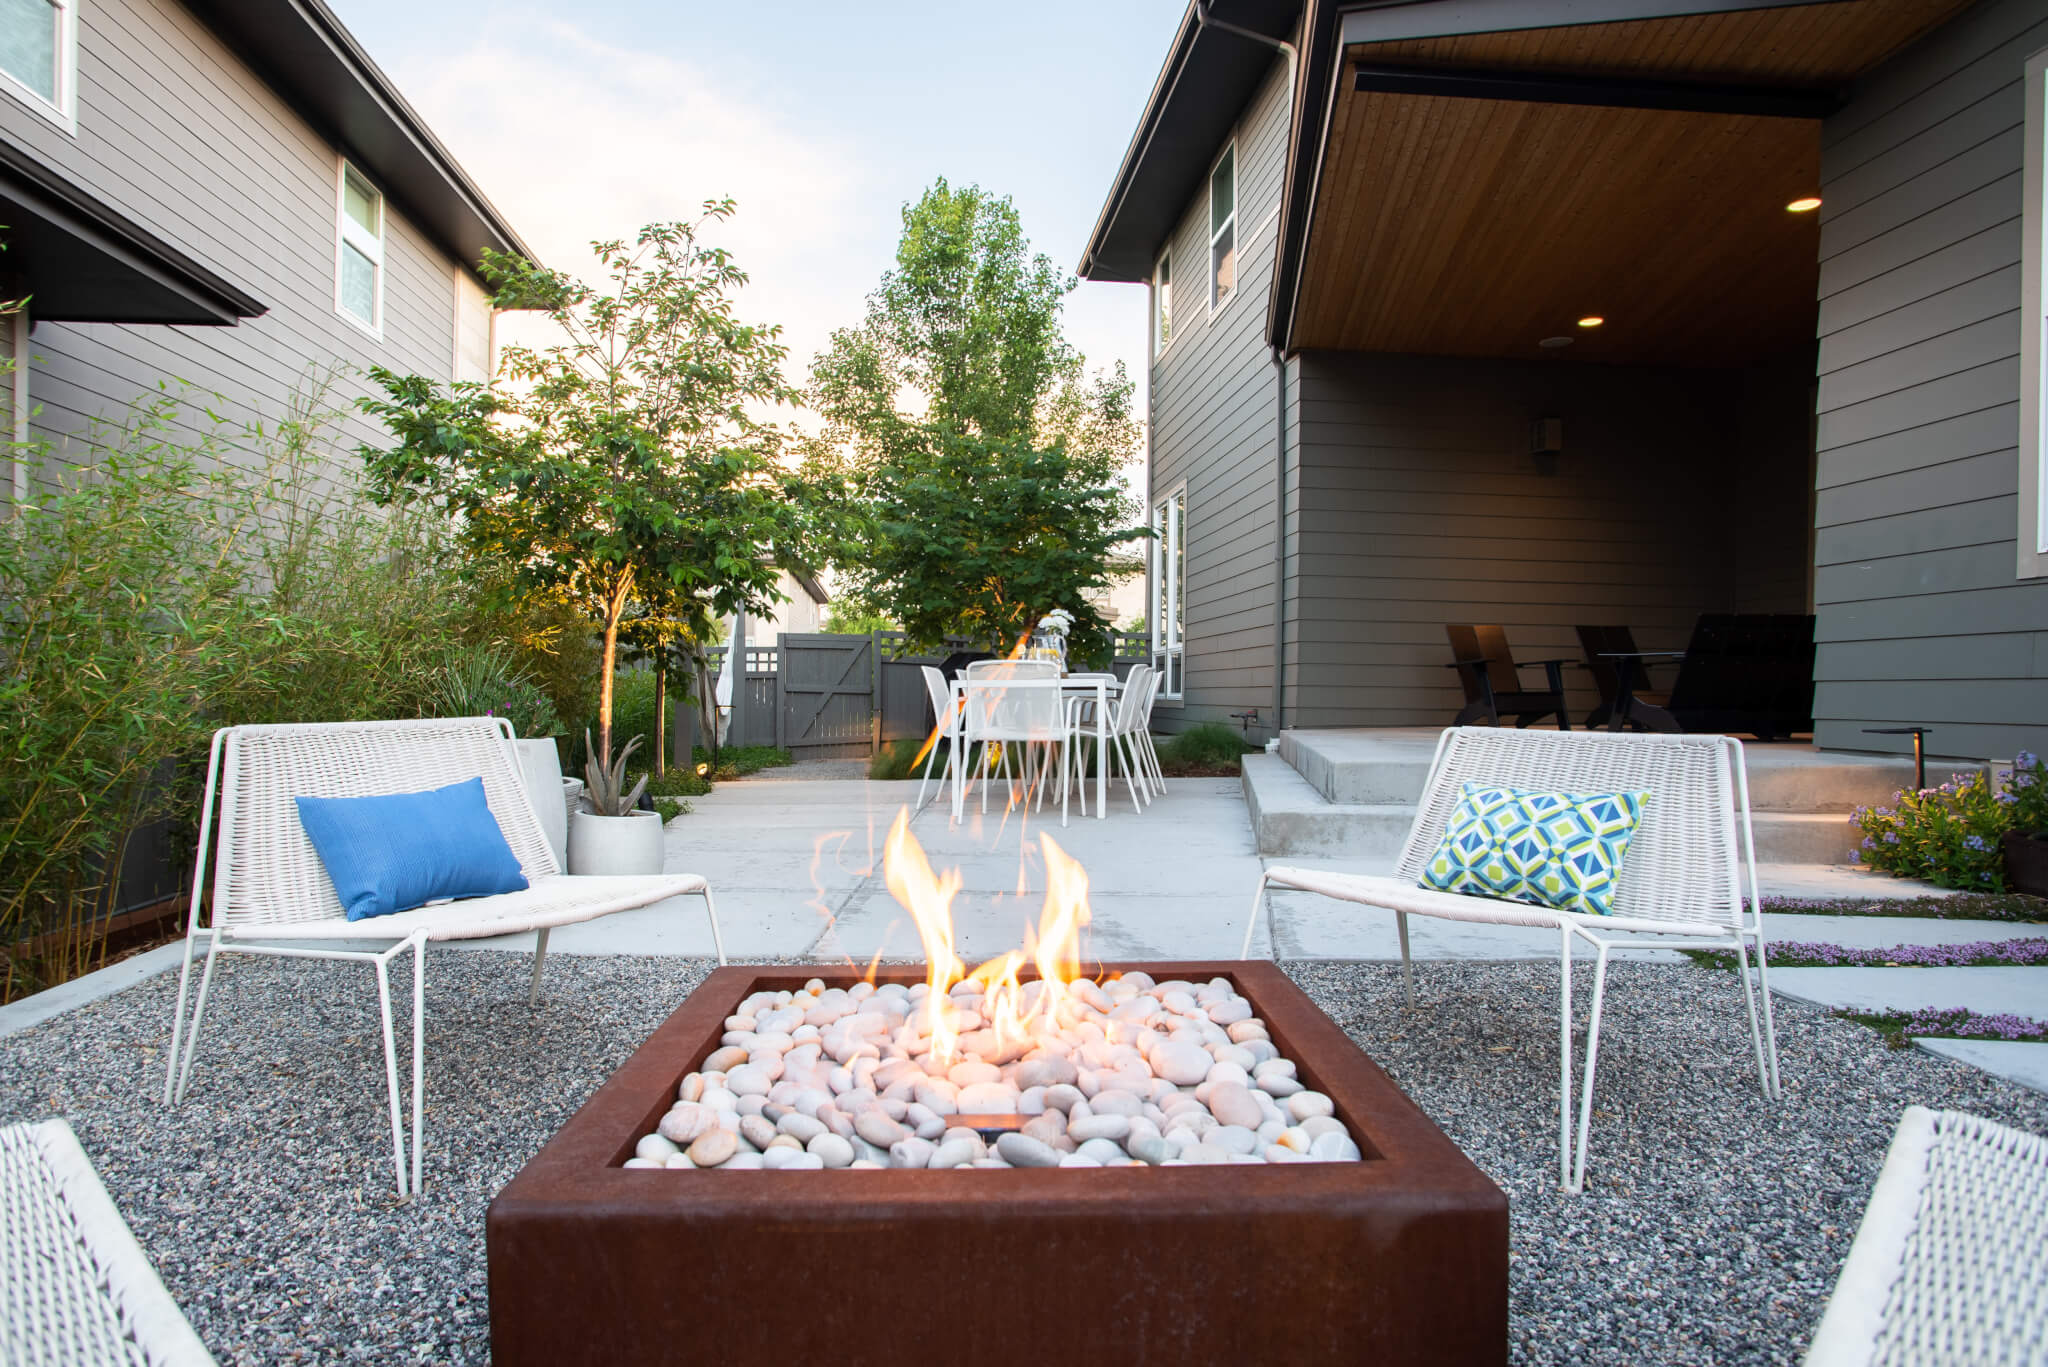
<point>2014,1060</point>
<point>1987,990</point>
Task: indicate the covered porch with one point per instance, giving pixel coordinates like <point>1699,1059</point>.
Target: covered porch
<point>1550,296</point>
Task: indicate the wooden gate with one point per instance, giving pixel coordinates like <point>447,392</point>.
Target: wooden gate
<point>828,696</point>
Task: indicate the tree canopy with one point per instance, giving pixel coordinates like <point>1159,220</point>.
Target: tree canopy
<point>990,459</point>
<point>623,467</point>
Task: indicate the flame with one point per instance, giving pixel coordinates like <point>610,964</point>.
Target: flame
<point>943,725</point>
<point>1013,1008</point>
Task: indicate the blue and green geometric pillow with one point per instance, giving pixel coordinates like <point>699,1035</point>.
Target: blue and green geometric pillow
<point>1560,850</point>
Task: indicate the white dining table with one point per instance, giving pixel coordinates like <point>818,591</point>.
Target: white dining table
<point>1100,689</point>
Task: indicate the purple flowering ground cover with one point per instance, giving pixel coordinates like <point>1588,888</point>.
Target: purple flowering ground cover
<point>1958,906</point>
<point>2028,953</point>
<point>1952,1022</point>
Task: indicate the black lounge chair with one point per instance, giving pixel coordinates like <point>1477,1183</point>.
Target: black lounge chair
<point>1743,672</point>
<point>1493,682</point>
<point>1622,674</point>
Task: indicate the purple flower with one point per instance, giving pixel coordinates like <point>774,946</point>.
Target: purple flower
<point>1868,843</point>
<point>1855,856</point>
<point>2025,759</point>
<point>2006,799</point>
<point>1977,843</point>
<point>1891,837</point>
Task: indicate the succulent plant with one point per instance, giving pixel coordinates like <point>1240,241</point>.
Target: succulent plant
<point>603,784</point>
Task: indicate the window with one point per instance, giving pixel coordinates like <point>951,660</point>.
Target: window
<point>38,52</point>
<point>1162,304</point>
<point>359,250</point>
<point>1223,229</point>
<point>476,331</point>
<point>2033,433</point>
<point>1169,588</point>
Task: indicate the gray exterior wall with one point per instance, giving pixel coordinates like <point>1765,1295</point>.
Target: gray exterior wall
<point>1922,618</point>
<point>1213,421</point>
<point>1416,504</point>
<point>174,131</point>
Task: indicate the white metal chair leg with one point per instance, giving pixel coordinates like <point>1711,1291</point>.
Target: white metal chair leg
<point>1407,968</point>
<point>717,940</point>
<point>1119,747</point>
<point>1763,990</point>
<point>1564,1062</point>
<point>1578,1182</point>
<point>178,1022</point>
<point>540,957</point>
<point>198,1014</point>
<point>382,963</point>
<point>1756,1033</point>
<point>1251,924</point>
<point>419,1052</point>
<point>929,761</point>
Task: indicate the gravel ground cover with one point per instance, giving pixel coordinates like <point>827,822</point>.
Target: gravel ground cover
<point>1711,1230</point>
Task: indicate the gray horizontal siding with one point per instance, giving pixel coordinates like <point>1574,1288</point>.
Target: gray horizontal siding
<point>1212,424</point>
<point>174,131</point>
<point>1421,507</point>
<point>1921,619</point>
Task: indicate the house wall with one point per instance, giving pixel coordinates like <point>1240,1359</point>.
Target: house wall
<point>1212,424</point>
<point>1921,616</point>
<point>175,132</point>
<point>1678,492</point>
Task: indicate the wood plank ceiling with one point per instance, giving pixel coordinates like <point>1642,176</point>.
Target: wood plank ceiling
<point>1474,227</point>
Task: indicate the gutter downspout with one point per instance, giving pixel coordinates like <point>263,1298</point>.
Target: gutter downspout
<point>1203,19</point>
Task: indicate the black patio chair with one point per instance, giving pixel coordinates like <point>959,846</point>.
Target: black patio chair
<point>1622,674</point>
<point>1749,672</point>
<point>1493,682</point>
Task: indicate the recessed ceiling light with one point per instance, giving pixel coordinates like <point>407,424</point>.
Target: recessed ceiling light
<point>1804,205</point>
<point>1553,343</point>
<point>1591,320</point>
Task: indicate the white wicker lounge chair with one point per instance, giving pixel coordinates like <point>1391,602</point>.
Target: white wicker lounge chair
<point>269,884</point>
<point>1950,1264</point>
<point>75,1287</point>
<point>1688,867</point>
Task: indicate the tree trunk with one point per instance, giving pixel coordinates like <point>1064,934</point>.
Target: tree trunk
<point>660,709</point>
<point>615,608</point>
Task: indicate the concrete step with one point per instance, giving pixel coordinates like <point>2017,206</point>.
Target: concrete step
<point>1291,816</point>
<point>1391,765</point>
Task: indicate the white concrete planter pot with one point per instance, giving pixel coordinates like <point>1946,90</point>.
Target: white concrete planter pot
<point>629,844</point>
<point>541,766</point>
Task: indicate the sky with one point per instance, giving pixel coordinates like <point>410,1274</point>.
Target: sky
<point>583,122</point>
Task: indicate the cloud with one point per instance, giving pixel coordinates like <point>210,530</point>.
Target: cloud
<point>575,139</point>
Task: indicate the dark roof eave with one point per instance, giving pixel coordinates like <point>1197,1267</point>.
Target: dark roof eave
<point>1201,90</point>
<point>312,62</point>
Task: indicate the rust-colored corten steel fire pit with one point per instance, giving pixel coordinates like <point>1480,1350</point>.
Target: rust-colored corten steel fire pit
<point>1400,1258</point>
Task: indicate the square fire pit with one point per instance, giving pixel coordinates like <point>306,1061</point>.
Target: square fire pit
<point>1400,1258</point>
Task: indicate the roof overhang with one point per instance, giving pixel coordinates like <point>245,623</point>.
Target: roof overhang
<point>302,51</point>
<point>1472,177</point>
<point>81,261</point>
<point>1209,76</point>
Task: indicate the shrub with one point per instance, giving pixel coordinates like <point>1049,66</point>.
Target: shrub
<point>1211,748</point>
<point>1949,835</point>
<point>902,759</point>
<point>187,574</point>
<point>486,681</point>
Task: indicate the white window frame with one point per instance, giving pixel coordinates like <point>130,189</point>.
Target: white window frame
<point>347,232</point>
<point>1214,230</point>
<point>63,111</point>
<point>1162,304</point>
<point>1168,609</point>
<point>2032,560</point>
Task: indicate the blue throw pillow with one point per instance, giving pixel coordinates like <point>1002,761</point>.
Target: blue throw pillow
<point>396,852</point>
<point>1561,850</point>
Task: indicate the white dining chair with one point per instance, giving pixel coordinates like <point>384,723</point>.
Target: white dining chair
<point>941,695</point>
<point>1011,712</point>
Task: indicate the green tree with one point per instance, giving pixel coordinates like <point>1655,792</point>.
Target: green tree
<point>959,383</point>
<point>623,468</point>
<point>1019,529</point>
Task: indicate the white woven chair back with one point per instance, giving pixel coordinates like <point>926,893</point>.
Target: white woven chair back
<point>1012,709</point>
<point>266,870</point>
<point>1014,669</point>
<point>1682,863</point>
<point>1133,704</point>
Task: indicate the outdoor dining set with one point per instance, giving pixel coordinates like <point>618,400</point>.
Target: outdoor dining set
<point>1044,716</point>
